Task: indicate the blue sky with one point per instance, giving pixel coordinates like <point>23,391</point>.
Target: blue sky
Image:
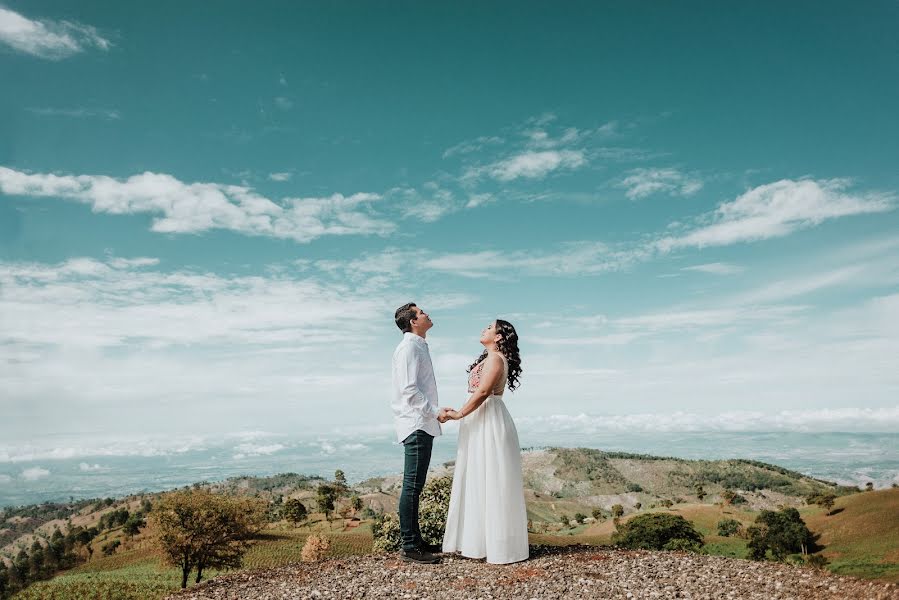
<point>208,216</point>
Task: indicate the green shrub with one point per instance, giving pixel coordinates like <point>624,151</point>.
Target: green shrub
<point>817,561</point>
<point>729,527</point>
<point>682,545</point>
<point>431,517</point>
<point>386,532</point>
<point>655,531</point>
<point>782,533</point>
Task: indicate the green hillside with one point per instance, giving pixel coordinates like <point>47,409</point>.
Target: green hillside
<point>860,537</point>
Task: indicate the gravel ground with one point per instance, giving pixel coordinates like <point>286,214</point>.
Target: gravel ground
<point>571,572</point>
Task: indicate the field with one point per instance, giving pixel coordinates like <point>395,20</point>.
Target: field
<point>861,538</point>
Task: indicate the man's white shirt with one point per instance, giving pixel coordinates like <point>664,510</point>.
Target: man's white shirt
<point>414,388</point>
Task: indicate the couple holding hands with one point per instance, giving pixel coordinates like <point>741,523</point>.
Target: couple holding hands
<point>487,516</point>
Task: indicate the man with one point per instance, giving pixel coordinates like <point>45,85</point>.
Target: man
<point>417,419</point>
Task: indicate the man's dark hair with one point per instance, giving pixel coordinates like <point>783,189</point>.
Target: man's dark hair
<point>404,316</point>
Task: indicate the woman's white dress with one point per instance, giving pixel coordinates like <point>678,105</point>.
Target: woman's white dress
<point>487,516</point>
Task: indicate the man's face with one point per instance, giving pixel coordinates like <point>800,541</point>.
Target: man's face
<point>422,322</point>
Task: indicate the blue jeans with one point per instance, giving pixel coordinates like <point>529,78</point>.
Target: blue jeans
<point>418,456</point>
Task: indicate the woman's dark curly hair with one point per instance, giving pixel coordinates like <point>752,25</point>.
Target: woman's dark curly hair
<point>508,347</point>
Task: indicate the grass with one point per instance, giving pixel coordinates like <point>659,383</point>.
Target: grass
<point>861,537</point>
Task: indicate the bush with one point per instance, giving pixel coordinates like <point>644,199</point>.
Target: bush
<point>315,549</point>
<point>729,527</point>
<point>579,518</point>
<point>431,518</point>
<point>657,531</point>
<point>817,561</point>
<point>617,511</point>
<point>731,497</point>
<point>435,499</point>
<point>597,513</point>
<point>783,533</point>
<point>682,545</point>
<point>386,533</point>
<point>634,487</point>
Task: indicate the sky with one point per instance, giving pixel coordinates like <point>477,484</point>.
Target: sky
<point>208,214</point>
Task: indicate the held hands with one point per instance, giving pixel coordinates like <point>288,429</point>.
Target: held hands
<point>448,414</point>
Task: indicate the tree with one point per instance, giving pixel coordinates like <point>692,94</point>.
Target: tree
<point>295,511</point>
<point>109,548</point>
<point>133,525</point>
<point>579,518</point>
<point>199,529</point>
<point>869,487</point>
<point>340,484</point>
<point>700,492</point>
<point>597,513</point>
<point>782,532</point>
<point>658,531</point>
<point>827,501</point>
<point>327,496</point>
<point>356,503</point>
<point>4,579</point>
<point>617,511</point>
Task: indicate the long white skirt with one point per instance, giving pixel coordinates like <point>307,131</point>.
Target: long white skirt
<point>487,516</point>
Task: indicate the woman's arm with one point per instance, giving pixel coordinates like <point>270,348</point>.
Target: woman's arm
<point>490,375</point>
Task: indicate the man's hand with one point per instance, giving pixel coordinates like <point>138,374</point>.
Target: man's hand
<point>444,415</point>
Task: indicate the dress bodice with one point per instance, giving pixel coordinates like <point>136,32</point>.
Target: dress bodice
<point>474,377</point>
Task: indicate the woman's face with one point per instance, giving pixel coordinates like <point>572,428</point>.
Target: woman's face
<point>489,335</point>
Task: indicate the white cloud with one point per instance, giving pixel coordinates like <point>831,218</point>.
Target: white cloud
<point>429,204</point>
<point>52,40</point>
<point>79,113</point>
<point>533,164</point>
<point>197,207</point>
<point>284,176</point>
<point>568,259</point>
<point>476,200</point>
<point>775,210</point>
<point>127,263</point>
<point>643,182</point>
<point>475,145</point>
<point>716,268</point>
<point>826,419</point>
<point>87,467</point>
<point>250,449</point>
<point>34,473</point>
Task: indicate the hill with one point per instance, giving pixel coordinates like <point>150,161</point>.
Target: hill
<point>861,538</point>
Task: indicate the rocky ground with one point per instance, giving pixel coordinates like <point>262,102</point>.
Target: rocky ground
<point>570,572</point>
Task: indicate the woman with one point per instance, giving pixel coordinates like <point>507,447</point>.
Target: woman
<point>487,516</point>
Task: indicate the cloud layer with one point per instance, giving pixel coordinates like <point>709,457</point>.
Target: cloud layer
<point>52,40</point>
<point>197,207</point>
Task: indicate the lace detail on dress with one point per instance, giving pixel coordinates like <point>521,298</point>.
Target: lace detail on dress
<point>474,378</point>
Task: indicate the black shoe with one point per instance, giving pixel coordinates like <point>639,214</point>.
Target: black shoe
<point>431,548</point>
<point>419,556</point>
